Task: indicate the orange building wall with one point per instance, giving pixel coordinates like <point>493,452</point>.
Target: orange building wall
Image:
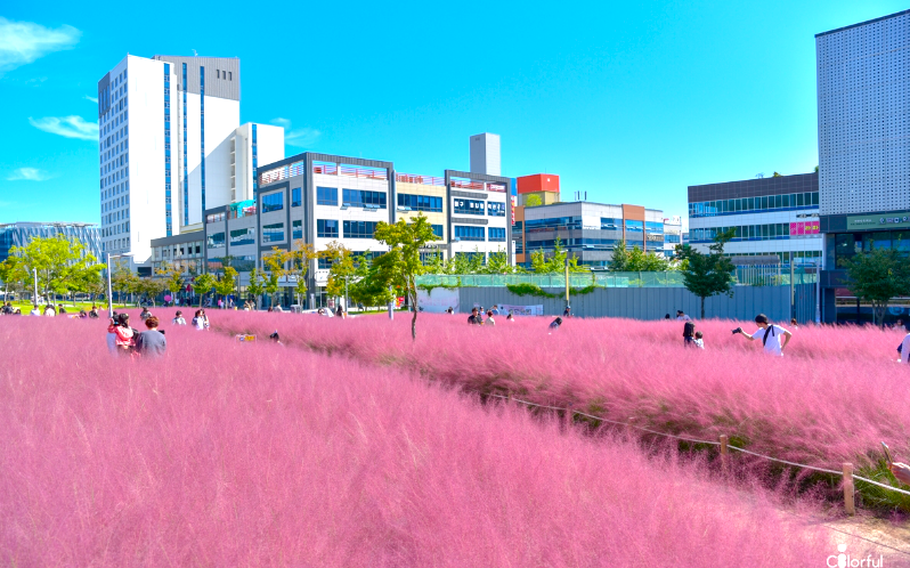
<point>538,182</point>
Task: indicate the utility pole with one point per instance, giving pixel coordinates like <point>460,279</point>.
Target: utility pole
<point>567,277</point>
<point>35,271</point>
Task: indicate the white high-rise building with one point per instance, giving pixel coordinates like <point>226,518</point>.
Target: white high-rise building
<point>171,145</point>
<point>485,155</point>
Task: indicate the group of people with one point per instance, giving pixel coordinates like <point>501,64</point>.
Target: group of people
<point>122,339</point>
<point>476,317</point>
<point>774,338</point>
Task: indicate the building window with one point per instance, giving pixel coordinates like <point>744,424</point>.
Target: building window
<point>327,196</point>
<point>468,207</point>
<point>324,263</point>
<point>273,233</point>
<point>496,209</point>
<point>273,202</point>
<point>363,198</point>
<point>216,240</point>
<point>437,232</point>
<point>328,228</point>
<point>497,234</point>
<point>296,229</point>
<point>359,229</point>
<point>466,233</point>
<point>296,198</point>
<point>243,237</point>
<point>428,203</point>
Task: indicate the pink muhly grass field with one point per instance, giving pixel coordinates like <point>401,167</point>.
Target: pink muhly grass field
<point>835,395</point>
<point>231,454</point>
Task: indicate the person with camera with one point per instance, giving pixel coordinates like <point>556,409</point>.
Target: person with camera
<point>124,335</point>
<point>769,334</point>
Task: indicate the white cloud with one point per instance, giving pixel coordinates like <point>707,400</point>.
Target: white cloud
<point>29,174</point>
<point>301,137</point>
<point>68,126</point>
<point>93,99</point>
<point>24,42</point>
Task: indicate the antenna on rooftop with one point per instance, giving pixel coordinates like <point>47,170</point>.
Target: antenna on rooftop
<point>195,54</point>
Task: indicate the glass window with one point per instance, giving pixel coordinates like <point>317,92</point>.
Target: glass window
<point>273,233</point>
<point>497,234</point>
<point>363,198</point>
<point>328,228</point>
<point>243,237</point>
<point>900,240</point>
<point>496,209</point>
<point>881,240</point>
<point>216,240</point>
<point>410,202</point>
<point>778,201</point>
<point>815,198</point>
<point>327,196</point>
<point>469,233</point>
<point>296,229</point>
<point>296,197</point>
<point>437,231</point>
<point>273,201</point>
<point>785,200</point>
<point>800,197</point>
<point>468,206</point>
<point>359,229</point>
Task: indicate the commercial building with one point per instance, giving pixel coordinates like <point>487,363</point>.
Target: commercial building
<point>673,234</point>
<point>20,234</point>
<point>171,146</point>
<point>588,230</point>
<point>864,151</point>
<point>775,219</point>
<point>320,199</point>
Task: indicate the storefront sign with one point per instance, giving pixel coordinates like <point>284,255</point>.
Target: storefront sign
<point>804,228</point>
<point>889,221</point>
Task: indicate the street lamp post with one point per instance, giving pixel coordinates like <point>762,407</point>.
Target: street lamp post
<point>35,271</point>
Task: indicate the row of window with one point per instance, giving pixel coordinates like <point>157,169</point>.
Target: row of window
<point>476,207</point>
<point>472,233</point>
<point>783,202</point>
<point>846,245</point>
<point>770,231</point>
<point>420,203</point>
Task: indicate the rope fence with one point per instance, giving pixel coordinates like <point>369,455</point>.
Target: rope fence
<point>846,473</point>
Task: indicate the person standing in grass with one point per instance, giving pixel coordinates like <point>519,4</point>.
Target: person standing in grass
<point>93,313</point>
<point>36,311</point>
<point>681,316</point>
<point>145,313</point>
<point>770,336</point>
<point>688,334</point>
<point>699,340</point>
<point>200,320</point>
<point>49,311</point>
<point>490,320</point>
<point>554,325</point>
<point>178,318</point>
<point>474,318</point>
<point>151,343</point>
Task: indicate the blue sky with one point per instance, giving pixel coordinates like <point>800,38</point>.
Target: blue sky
<point>630,102</point>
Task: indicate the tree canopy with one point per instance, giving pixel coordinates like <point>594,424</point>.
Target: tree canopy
<point>877,277</point>
<point>707,275</point>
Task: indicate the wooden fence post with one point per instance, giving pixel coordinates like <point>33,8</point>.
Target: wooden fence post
<point>848,489</point>
<point>724,456</point>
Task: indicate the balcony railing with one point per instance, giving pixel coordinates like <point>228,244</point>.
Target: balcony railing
<point>349,171</point>
<point>422,180</point>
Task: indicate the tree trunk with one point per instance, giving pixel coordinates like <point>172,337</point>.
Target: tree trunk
<point>702,307</point>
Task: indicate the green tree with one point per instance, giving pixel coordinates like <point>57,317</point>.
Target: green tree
<point>150,287</point>
<point>555,263</point>
<point>256,287</point>
<point>227,281</point>
<point>498,263</point>
<point>342,268</point>
<point>298,262</point>
<point>59,262</point>
<point>367,287</point>
<point>123,280</point>
<point>401,265</point>
<point>12,273</point>
<point>878,276</point>
<point>708,274</point>
<point>619,261</point>
<point>533,201</point>
<point>202,284</point>
<point>639,261</point>
<point>274,267</point>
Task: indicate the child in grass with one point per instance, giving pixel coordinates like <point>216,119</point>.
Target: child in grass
<point>699,340</point>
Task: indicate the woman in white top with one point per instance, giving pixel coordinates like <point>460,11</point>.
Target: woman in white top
<point>200,320</point>
<point>178,318</point>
